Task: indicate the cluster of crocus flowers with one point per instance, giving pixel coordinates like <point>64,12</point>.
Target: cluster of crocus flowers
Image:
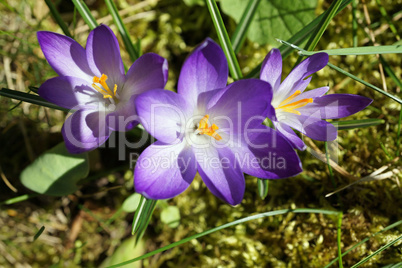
<point>211,128</point>
<point>92,82</point>
<point>207,127</point>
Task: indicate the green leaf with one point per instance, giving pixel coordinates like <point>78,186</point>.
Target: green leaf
<point>352,124</point>
<point>36,236</point>
<point>224,40</point>
<point>55,172</point>
<point>131,203</point>
<point>263,186</point>
<point>171,216</point>
<point>125,252</point>
<point>322,26</point>
<point>239,34</point>
<point>131,49</point>
<point>357,50</point>
<point>31,98</point>
<point>57,17</point>
<point>274,18</point>
<point>85,13</point>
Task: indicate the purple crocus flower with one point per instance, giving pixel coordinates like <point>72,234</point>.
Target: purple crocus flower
<point>304,110</point>
<point>93,82</point>
<point>210,128</point>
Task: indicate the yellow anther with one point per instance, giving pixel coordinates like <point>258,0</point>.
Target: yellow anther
<point>203,128</point>
<point>294,95</point>
<point>106,92</point>
<point>290,108</point>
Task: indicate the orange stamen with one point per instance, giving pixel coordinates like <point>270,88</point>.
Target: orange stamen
<point>290,108</point>
<point>106,92</point>
<point>203,128</point>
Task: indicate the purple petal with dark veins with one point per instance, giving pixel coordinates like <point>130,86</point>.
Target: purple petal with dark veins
<point>150,71</point>
<point>205,69</point>
<point>70,92</point>
<point>163,114</point>
<point>221,173</point>
<point>164,170</point>
<point>335,106</point>
<point>103,55</point>
<point>85,130</point>
<point>271,69</point>
<point>295,80</point>
<point>64,55</point>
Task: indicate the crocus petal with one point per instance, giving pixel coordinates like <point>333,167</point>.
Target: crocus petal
<point>205,69</point>
<point>103,55</point>
<point>85,130</point>
<point>124,117</point>
<point>64,55</point>
<point>292,137</point>
<point>150,71</point>
<point>314,93</point>
<point>313,127</point>
<point>69,92</point>
<point>164,170</point>
<point>335,106</point>
<point>244,102</point>
<point>267,154</point>
<point>221,173</point>
<point>163,114</point>
<point>271,69</point>
<point>295,80</point>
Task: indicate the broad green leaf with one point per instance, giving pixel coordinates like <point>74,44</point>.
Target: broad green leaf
<point>125,252</point>
<point>171,216</point>
<point>55,172</point>
<point>274,18</point>
<point>131,202</point>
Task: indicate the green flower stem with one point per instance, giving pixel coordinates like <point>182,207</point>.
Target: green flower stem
<point>85,13</point>
<point>216,17</point>
<point>57,18</point>
<point>132,51</point>
<point>239,34</point>
<point>22,96</point>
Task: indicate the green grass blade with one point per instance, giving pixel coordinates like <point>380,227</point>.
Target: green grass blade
<point>352,124</point>
<point>376,252</point>
<point>388,19</point>
<point>370,50</point>
<point>239,34</point>
<point>39,233</point>
<point>339,230</point>
<point>365,83</point>
<point>85,13</point>
<point>57,18</point>
<point>137,215</point>
<point>149,209</point>
<point>18,199</point>
<point>354,23</point>
<point>263,186</point>
<point>243,220</point>
<point>132,51</point>
<point>298,38</point>
<point>322,25</point>
<point>364,241</point>
<point>22,96</point>
<point>398,134</point>
<point>216,17</point>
